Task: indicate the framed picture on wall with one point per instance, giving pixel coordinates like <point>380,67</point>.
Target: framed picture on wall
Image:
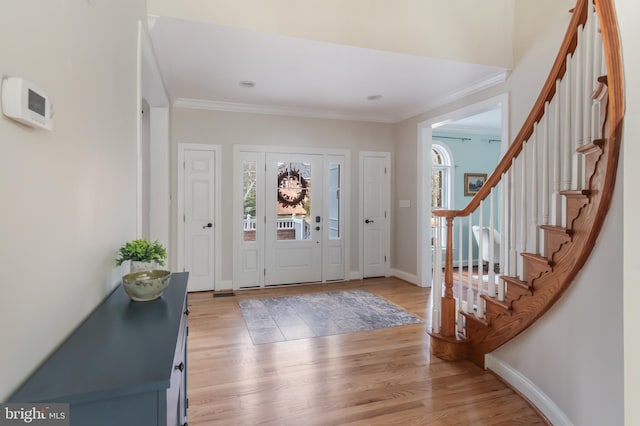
<point>473,182</point>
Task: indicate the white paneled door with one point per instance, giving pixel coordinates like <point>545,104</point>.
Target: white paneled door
<point>294,218</point>
<point>199,218</point>
<point>375,210</point>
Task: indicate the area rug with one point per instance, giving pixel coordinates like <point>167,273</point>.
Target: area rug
<point>278,319</point>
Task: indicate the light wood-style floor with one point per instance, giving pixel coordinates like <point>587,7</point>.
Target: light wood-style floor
<point>379,377</point>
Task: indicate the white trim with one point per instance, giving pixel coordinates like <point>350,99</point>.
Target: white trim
<point>189,103</point>
<point>526,387</point>
<point>355,275</point>
<point>182,147</point>
<point>412,278</point>
<point>225,285</point>
<point>387,201</point>
<point>425,134</point>
<point>476,87</point>
<point>139,132</point>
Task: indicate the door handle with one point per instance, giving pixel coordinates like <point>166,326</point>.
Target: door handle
<point>208,225</point>
<point>368,221</point>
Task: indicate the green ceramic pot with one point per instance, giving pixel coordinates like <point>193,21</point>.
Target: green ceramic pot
<point>144,286</point>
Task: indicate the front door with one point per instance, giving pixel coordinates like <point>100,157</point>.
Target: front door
<point>294,222</point>
<point>198,218</point>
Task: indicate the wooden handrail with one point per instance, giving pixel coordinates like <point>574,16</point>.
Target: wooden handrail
<point>558,70</point>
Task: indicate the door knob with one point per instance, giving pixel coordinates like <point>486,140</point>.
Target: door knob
<point>368,221</point>
<point>208,225</point>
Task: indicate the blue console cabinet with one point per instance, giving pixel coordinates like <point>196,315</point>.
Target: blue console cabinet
<point>126,364</point>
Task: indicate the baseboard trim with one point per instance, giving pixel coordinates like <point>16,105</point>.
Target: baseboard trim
<point>528,389</point>
<point>225,285</point>
<point>355,275</point>
<point>412,278</point>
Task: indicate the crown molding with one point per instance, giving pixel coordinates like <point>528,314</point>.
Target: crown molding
<point>469,90</point>
<point>190,103</point>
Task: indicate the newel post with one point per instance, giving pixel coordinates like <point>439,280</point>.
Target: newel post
<point>448,327</point>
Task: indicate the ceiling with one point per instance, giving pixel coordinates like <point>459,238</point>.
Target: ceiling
<point>203,64</point>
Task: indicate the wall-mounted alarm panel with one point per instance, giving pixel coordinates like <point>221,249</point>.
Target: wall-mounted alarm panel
<point>25,102</point>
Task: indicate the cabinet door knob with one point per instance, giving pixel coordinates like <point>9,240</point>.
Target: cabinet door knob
<point>180,366</point>
<point>186,312</point>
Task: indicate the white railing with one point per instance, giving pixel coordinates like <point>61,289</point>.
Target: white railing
<point>297,224</point>
<point>528,194</point>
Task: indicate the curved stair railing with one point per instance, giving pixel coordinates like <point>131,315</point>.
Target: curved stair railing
<point>546,200</point>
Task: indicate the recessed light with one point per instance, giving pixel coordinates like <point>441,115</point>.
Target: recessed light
<point>247,84</point>
<point>374,97</point>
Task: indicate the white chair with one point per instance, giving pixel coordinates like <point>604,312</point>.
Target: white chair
<point>484,239</point>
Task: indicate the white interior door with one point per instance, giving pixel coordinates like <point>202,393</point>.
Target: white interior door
<point>199,218</point>
<point>375,210</point>
<point>294,222</point>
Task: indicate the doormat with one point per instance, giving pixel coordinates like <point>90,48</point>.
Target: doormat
<point>278,319</point>
<point>226,294</point>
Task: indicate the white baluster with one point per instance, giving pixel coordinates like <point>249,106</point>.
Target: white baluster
<point>480,300</point>
<point>513,265</point>
<point>462,304</point>
<point>577,105</point>
<point>545,166</point>
<point>503,235</point>
<point>491,284</point>
<point>589,82</point>
<point>470,300</point>
<point>556,205</point>
<point>523,208</point>
<point>566,139</point>
<point>437,283</point>
<point>533,225</point>
<point>597,48</point>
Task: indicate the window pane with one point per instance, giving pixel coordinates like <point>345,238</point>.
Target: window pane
<point>249,200</point>
<point>334,201</point>
<point>293,199</point>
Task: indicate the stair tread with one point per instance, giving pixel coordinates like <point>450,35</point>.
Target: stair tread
<point>536,258</point>
<point>458,338</point>
<point>594,145</point>
<point>515,281</point>
<point>473,317</point>
<point>576,193</point>
<point>496,302</point>
<point>557,229</point>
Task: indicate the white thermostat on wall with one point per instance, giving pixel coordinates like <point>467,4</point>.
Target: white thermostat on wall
<point>25,102</point>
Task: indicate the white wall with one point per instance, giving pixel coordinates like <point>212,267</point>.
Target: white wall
<point>574,353</point>
<point>482,35</point>
<point>628,11</point>
<point>68,196</point>
<point>231,128</point>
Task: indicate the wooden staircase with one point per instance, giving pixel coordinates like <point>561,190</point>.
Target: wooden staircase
<point>533,284</point>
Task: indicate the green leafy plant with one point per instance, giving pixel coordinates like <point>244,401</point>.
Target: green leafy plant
<point>142,250</point>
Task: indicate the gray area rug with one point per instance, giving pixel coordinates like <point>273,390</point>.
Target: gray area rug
<point>277,319</point>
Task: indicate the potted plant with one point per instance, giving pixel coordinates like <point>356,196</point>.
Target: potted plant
<point>143,254</point>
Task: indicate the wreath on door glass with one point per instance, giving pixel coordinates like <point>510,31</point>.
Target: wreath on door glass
<point>292,188</point>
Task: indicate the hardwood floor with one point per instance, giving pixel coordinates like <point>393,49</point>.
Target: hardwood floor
<point>378,377</point>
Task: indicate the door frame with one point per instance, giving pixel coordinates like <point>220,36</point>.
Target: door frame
<point>425,135</point>
<point>386,200</point>
<point>237,220</point>
<point>180,234</point>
